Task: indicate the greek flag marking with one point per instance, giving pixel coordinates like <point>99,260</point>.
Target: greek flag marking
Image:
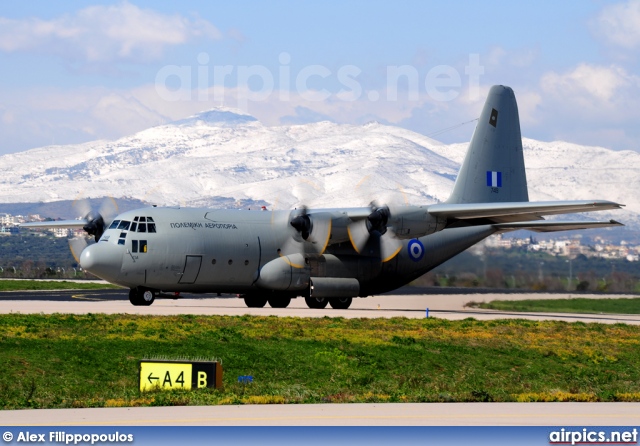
<point>494,179</point>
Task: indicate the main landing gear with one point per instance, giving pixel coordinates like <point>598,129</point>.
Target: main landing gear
<point>279,301</point>
<point>340,303</point>
<point>337,303</point>
<point>255,301</point>
<point>141,296</point>
<point>275,301</point>
<point>316,302</point>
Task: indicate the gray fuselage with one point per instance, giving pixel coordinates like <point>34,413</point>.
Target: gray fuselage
<point>223,251</point>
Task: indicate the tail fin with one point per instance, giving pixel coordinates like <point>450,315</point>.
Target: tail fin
<point>493,169</point>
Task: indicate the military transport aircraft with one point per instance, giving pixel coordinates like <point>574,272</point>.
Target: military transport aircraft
<point>327,255</point>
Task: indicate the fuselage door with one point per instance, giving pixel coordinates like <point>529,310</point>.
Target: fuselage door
<point>191,269</point>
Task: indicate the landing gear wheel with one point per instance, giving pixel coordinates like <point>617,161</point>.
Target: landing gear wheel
<point>316,302</point>
<point>255,302</point>
<point>279,302</point>
<point>141,296</point>
<point>148,297</point>
<point>340,303</point>
<point>133,296</point>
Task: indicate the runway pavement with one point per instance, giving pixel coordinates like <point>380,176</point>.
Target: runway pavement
<point>447,306</point>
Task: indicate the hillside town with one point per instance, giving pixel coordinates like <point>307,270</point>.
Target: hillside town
<point>9,225</point>
<point>562,246</point>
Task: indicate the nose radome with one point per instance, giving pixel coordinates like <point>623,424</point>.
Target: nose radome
<point>103,260</point>
<point>86,258</point>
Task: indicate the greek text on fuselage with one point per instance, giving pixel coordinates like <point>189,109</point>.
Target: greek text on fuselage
<point>199,225</point>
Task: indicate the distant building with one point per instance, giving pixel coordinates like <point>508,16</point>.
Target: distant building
<point>60,232</point>
<point>565,247</point>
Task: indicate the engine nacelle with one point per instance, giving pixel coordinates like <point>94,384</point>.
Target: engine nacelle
<point>414,221</point>
<point>289,272</point>
<point>331,287</point>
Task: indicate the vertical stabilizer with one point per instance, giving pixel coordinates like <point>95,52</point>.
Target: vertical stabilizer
<point>493,169</point>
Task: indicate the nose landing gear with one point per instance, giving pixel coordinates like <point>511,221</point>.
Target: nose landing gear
<point>141,296</point>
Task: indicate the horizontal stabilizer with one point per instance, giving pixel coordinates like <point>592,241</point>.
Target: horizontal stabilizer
<point>518,211</point>
<point>553,226</point>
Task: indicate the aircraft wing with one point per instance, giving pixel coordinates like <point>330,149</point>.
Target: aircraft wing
<point>72,224</point>
<point>507,212</point>
<point>358,213</point>
<point>552,226</point>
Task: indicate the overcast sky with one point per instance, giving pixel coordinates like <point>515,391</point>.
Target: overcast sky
<point>79,71</point>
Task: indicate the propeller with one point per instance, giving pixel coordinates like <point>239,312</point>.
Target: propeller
<point>309,232</point>
<point>313,228</point>
<point>371,233</point>
<point>96,222</point>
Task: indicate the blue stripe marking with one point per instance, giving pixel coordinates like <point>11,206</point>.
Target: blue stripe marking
<point>494,181</point>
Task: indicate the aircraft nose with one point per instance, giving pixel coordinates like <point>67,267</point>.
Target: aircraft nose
<point>103,260</point>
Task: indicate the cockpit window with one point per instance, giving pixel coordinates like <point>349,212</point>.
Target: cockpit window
<point>114,224</point>
<point>143,224</point>
<point>124,225</point>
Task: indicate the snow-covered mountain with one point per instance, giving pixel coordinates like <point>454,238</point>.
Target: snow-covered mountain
<point>225,158</point>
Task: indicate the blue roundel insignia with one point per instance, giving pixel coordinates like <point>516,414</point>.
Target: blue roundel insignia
<point>416,250</point>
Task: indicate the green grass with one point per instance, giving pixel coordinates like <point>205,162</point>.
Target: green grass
<point>92,360</point>
<point>574,305</point>
<point>30,285</point>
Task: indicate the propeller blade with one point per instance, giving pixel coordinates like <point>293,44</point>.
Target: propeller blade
<point>77,245</point>
<point>291,246</point>
<point>82,206</point>
<point>108,210</point>
<point>390,246</point>
<point>320,233</point>
<point>358,234</point>
<point>293,243</point>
